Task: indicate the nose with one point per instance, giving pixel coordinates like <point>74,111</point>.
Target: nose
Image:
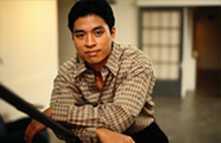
<point>90,41</point>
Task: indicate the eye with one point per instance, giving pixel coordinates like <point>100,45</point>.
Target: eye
<point>80,35</point>
<point>98,33</point>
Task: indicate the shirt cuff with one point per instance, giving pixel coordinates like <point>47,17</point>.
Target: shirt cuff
<point>89,135</point>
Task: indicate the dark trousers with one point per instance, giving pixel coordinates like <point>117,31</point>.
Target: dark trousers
<point>151,134</point>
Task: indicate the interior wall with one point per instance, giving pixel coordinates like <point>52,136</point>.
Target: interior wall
<point>66,44</point>
<point>188,61</point>
<point>28,52</point>
<point>126,14</point>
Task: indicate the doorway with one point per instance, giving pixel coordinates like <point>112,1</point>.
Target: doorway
<point>207,39</point>
<point>161,38</point>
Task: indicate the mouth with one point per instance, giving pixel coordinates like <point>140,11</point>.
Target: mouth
<point>92,53</point>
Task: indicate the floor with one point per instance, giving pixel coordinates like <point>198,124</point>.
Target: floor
<point>194,119</point>
<point>197,117</point>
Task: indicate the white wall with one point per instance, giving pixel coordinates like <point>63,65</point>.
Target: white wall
<point>189,63</point>
<point>66,44</point>
<point>28,49</point>
<point>126,14</point>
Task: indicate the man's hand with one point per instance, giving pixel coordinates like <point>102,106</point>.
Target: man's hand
<point>36,126</point>
<point>107,136</point>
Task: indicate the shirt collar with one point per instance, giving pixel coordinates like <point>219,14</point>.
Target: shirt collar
<point>112,62</point>
<point>81,66</point>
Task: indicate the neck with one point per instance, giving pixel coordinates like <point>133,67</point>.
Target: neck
<point>97,67</point>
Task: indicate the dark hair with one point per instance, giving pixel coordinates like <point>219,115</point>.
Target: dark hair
<point>87,7</point>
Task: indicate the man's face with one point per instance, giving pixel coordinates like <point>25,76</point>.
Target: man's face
<point>93,39</point>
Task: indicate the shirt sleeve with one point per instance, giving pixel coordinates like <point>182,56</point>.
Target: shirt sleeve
<point>129,99</point>
<point>65,95</point>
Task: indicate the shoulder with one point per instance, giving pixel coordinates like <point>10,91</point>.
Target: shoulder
<point>69,64</point>
<point>134,55</point>
<point>69,67</point>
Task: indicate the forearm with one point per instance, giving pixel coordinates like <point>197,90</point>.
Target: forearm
<point>36,126</point>
<point>117,115</point>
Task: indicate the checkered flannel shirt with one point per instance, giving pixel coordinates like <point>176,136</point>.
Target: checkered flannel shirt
<point>123,105</point>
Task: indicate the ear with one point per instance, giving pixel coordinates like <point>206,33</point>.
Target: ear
<point>113,33</point>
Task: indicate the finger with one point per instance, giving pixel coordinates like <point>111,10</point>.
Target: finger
<point>32,129</point>
<point>132,141</point>
<point>30,132</point>
<point>27,132</point>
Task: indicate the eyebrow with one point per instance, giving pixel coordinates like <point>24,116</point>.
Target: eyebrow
<point>96,28</point>
<point>99,27</point>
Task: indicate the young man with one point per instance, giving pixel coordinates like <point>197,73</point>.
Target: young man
<point>103,93</point>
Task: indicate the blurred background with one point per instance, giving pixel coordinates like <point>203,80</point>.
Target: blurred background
<point>182,37</point>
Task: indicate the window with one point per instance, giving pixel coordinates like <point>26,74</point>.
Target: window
<point>161,39</point>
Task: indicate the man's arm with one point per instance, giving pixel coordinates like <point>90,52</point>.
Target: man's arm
<point>103,135</point>
<point>36,126</point>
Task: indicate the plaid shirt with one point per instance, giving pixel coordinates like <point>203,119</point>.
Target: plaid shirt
<point>123,105</point>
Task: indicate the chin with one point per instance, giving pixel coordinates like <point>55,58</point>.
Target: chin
<point>95,61</point>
